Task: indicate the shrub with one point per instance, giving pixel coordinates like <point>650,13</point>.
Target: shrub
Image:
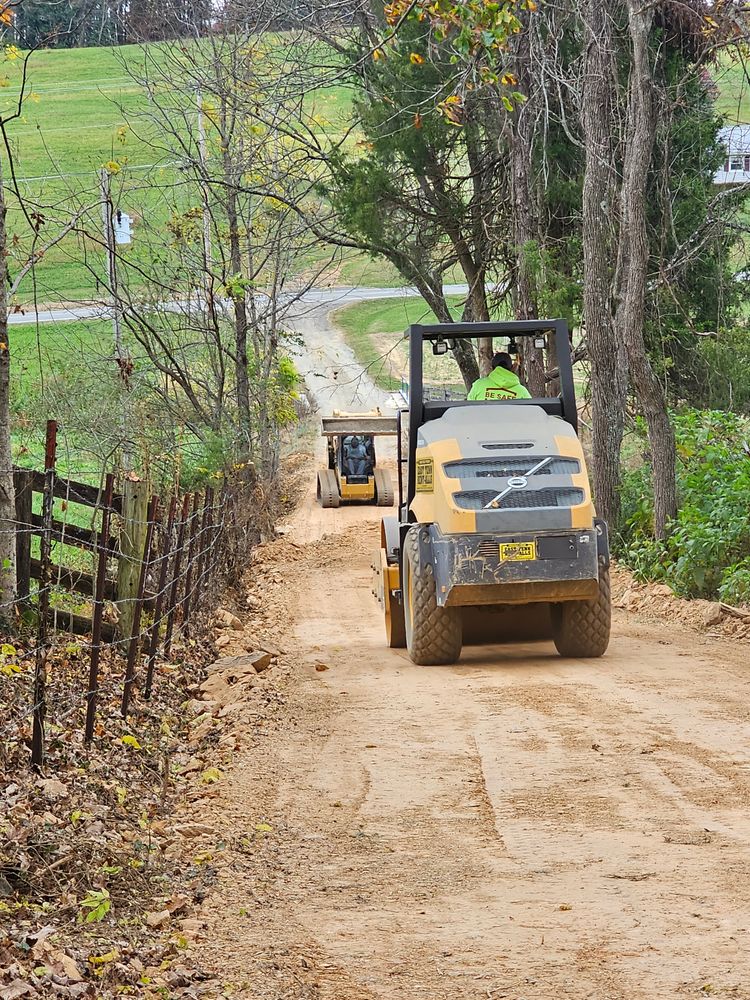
<point>707,553</point>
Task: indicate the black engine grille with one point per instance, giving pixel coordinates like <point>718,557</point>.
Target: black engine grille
<point>497,468</point>
<point>519,499</point>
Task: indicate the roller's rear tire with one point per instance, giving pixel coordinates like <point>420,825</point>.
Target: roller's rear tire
<point>433,634</point>
<point>328,489</point>
<point>581,629</point>
<point>383,488</point>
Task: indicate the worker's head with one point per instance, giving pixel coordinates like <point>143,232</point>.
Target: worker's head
<point>355,441</point>
<point>502,360</point>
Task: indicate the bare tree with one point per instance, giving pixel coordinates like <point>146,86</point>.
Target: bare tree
<point>227,256</point>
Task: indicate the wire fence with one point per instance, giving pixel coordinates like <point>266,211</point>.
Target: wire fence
<point>87,639</point>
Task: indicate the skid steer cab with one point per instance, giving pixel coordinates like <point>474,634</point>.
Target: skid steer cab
<point>496,536</point>
<point>352,475</point>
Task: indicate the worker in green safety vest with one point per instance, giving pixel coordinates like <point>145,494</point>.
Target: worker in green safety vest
<point>501,383</point>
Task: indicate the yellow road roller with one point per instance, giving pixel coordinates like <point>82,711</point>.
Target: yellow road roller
<point>495,517</point>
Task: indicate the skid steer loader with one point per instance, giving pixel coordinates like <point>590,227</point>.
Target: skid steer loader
<point>352,474</point>
<point>494,513</point>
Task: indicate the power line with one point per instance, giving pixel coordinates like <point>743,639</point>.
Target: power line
<point>89,173</point>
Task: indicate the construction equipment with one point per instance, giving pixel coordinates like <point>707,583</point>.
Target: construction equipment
<point>495,512</point>
<point>352,474</point>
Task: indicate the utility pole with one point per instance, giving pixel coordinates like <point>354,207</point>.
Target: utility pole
<point>122,358</point>
<point>109,242</point>
<point>207,253</point>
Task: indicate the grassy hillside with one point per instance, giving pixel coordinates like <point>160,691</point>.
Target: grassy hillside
<point>73,121</point>
<point>374,331</point>
<point>731,79</point>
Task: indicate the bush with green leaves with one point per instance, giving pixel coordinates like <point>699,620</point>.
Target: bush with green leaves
<point>707,552</point>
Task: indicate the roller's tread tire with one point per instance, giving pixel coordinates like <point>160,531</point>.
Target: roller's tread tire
<point>435,638</point>
<point>582,628</point>
<point>383,488</point>
<point>328,489</point>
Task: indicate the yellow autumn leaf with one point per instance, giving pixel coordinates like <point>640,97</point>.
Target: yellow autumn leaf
<point>210,775</point>
<point>416,59</point>
<point>110,956</point>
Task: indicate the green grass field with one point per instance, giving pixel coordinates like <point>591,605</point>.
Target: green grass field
<point>73,122</point>
<point>374,331</point>
<point>733,82</point>
<point>57,367</point>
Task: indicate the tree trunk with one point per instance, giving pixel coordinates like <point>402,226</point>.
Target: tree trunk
<point>239,302</point>
<point>634,254</point>
<point>608,366</point>
<point>525,229</point>
<point>7,491</point>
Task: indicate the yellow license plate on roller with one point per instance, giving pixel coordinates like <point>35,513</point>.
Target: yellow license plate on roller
<point>517,551</point>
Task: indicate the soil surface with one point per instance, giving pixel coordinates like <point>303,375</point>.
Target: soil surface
<point>516,826</point>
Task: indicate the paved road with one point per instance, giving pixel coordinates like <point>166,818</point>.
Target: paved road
<point>331,298</point>
<point>329,367</point>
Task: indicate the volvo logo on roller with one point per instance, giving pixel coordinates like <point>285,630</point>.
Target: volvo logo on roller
<point>518,482</point>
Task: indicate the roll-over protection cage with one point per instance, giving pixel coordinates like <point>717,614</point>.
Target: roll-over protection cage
<point>421,410</point>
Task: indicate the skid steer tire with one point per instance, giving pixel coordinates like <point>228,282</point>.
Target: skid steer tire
<point>433,634</point>
<point>383,488</point>
<point>581,628</point>
<point>328,489</point>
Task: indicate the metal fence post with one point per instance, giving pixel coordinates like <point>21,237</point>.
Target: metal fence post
<point>172,606</point>
<point>187,599</point>
<point>96,631</point>
<point>40,666</point>
<point>153,641</point>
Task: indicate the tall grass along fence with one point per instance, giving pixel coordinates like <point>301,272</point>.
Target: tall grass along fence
<point>110,578</point>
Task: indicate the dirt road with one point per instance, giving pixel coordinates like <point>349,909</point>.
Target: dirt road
<point>517,826</point>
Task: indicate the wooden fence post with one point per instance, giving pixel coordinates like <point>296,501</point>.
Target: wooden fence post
<point>135,638</point>
<point>22,481</point>
<point>132,544</point>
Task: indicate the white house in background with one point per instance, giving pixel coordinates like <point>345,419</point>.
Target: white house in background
<point>736,169</point>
